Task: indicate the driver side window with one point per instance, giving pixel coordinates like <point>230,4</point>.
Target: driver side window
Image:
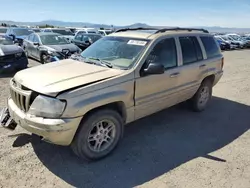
<point>31,37</point>
<point>164,53</point>
<point>36,39</point>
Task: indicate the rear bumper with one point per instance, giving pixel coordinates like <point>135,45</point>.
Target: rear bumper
<point>217,77</point>
<point>16,64</point>
<point>56,131</point>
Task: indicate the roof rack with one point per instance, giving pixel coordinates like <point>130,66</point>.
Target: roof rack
<point>162,30</point>
<point>136,29</point>
<point>181,29</point>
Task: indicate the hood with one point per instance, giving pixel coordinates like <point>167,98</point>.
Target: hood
<point>9,49</point>
<point>59,48</point>
<point>52,78</point>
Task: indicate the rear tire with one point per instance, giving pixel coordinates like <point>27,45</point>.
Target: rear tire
<point>98,135</point>
<point>202,97</point>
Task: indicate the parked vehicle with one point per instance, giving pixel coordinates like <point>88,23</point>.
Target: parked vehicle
<point>3,30</point>
<point>84,40</point>
<point>86,30</point>
<point>105,32</point>
<point>224,45</point>
<point>122,77</point>
<point>12,57</point>
<point>36,30</point>
<point>65,32</point>
<point>72,29</point>
<point>42,46</point>
<point>18,34</point>
<point>247,41</point>
<point>238,43</point>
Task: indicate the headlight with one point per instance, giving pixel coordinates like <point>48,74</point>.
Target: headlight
<point>47,107</point>
<point>79,51</point>
<point>19,54</point>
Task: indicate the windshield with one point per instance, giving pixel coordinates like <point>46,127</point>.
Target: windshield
<point>21,32</point>
<point>118,51</point>
<point>53,40</point>
<point>5,41</point>
<point>63,32</point>
<point>3,30</point>
<point>234,37</point>
<point>92,38</point>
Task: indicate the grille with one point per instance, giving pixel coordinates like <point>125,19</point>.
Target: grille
<point>20,97</point>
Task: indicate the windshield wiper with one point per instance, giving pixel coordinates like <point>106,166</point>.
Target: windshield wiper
<point>96,61</point>
<point>100,61</point>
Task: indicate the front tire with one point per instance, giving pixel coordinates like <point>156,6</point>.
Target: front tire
<point>202,97</point>
<point>98,135</point>
<point>43,59</point>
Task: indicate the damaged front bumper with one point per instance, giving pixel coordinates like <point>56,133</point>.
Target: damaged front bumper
<point>56,131</point>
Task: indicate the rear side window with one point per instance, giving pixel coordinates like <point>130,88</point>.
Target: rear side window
<point>210,46</point>
<point>191,51</point>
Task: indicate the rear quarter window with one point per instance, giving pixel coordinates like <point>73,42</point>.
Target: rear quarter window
<point>210,46</point>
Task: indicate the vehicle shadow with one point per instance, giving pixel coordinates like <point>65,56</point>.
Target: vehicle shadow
<point>153,146</point>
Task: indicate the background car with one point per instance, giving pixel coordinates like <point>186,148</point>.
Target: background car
<point>36,30</point>
<point>18,34</point>
<point>3,30</point>
<point>42,45</point>
<point>69,35</point>
<point>238,43</point>
<point>12,57</point>
<point>224,45</point>
<point>84,40</point>
<point>105,32</point>
<point>86,30</point>
<point>247,40</point>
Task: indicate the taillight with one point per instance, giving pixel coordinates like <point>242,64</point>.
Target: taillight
<point>222,63</point>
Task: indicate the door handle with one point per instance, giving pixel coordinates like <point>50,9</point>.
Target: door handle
<point>174,74</point>
<point>202,66</point>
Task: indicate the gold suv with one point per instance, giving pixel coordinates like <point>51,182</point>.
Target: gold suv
<point>85,101</point>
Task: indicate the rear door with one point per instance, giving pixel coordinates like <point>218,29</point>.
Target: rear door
<point>192,66</point>
<point>214,57</point>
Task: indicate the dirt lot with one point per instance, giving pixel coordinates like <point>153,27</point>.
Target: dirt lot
<point>174,148</point>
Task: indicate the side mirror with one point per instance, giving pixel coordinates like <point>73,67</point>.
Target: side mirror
<point>154,68</point>
<point>36,43</point>
<point>87,41</point>
<point>13,37</point>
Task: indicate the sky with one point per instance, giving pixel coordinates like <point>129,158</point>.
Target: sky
<point>224,13</point>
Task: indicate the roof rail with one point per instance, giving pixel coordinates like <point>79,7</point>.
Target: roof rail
<point>161,30</point>
<point>181,29</point>
<point>135,29</point>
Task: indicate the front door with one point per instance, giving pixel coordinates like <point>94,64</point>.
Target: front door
<point>156,92</point>
<point>35,51</point>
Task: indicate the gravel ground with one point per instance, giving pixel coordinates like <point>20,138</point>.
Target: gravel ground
<point>173,148</point>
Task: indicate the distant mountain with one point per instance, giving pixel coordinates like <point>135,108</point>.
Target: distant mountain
<point>87,24</point>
